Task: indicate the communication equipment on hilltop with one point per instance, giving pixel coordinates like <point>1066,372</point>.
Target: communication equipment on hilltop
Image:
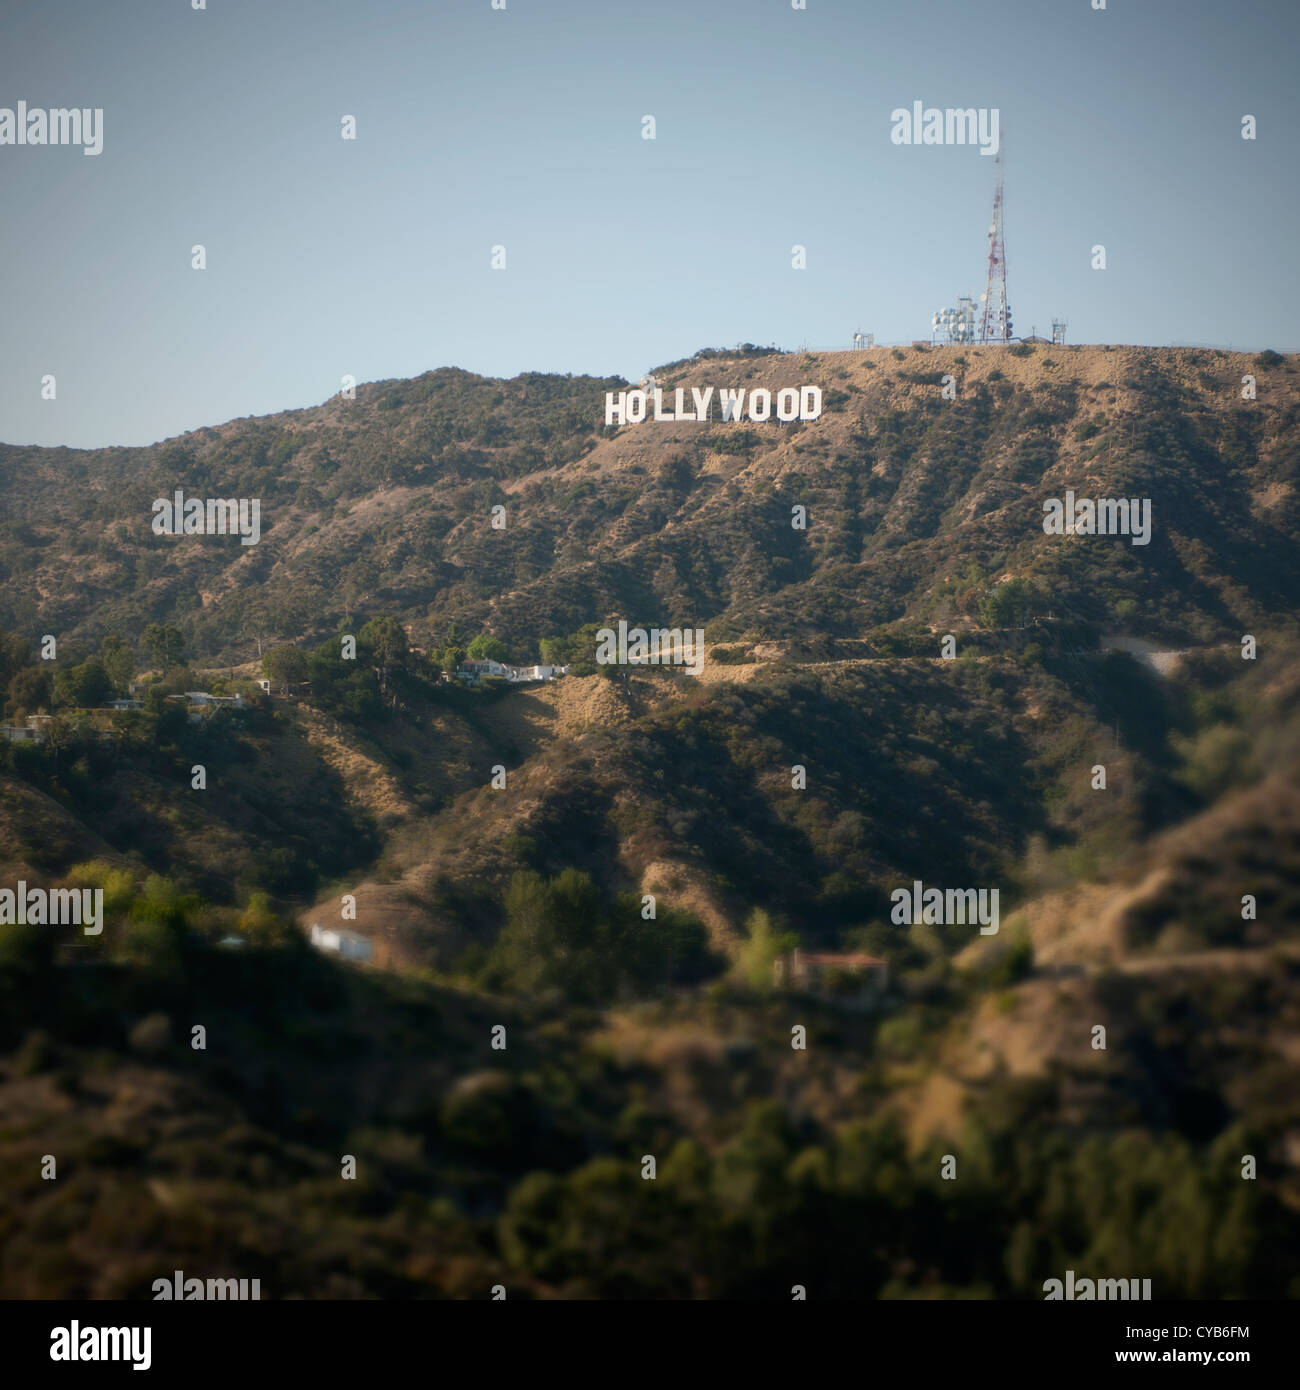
<point>1058,331</point>
<point>955,325</point>
<point>995,324</point>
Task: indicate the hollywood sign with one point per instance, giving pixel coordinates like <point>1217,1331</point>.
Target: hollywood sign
<point>791,403</point>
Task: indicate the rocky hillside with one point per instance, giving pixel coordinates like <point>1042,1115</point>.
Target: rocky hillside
<point>1096,741</point>
<point>384,504</point>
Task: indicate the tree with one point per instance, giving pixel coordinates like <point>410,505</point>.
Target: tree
<point>555,937</point>
<point>254,619</point>
<point>579,647</point>
<point>1009,604</point>
<point>29,692</point>
<point>285,665</point>
<point>672,949</point>
<point>116,884</point>
<point>488,648</point>
<point>14,655</point>
<point>83,686</point>
<point>344,688</point>
<point>164,644</point>
<point>118,660</point>
<point>385,644</point>
<point>260,924</point>
<point>757,953</point>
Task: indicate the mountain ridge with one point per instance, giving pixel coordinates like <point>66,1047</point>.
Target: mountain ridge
<point>382,504</point>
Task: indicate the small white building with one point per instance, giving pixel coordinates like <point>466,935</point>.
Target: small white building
<point>31,732</point>
<point>199,700</point>
<point>264,684</point>
<point>476,670</point>
<point>201,697</point>
<point>126,704</point>
<point>851,978</point>
<point>348,944</point>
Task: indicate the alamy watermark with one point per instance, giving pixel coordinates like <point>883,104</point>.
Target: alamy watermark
<point>77,1343</point>
<point>54,907</point>
<point>656,646</point>
<point>938,907</point>
<point>59,125</point>
<point>178,1288</point>
<point>930,125</point>
<point>1082,1290</point>
<point>1101,516</point>
<point>211,516</point>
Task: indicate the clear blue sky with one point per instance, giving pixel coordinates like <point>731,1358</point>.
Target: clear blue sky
<point>523,127</point>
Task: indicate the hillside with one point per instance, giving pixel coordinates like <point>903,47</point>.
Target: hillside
<point>829,752</point>
<point>383,504</point>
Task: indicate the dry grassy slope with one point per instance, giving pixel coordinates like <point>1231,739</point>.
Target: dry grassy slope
<point>199,1172</point>
<point>572,707</point>
<point>440,751</point>
<point>315,766</point>
<point>1103,380</point>
<point>467,840</point>
<point>1243,843</point>
<point>565,710</point>
<point>452,760</point>
<point>549,736</point>
<point>1044,1025</point>
<point>537,715</point>
<point>35,830</point>
<point>367,782</point>
<point>1046,1022</point>
<point>692,1047</point>
<point>875,382</point>
<point>308,543</point>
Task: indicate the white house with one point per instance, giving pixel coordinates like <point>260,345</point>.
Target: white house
<point>32,732</point>
<point>853,979</point>
<point>348,944</point>
<point>201,697</point>
<point>475,670</point>
<point>541,673</point>
<point>199,700</point>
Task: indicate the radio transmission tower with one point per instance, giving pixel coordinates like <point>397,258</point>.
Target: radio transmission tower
<point>995,326</point>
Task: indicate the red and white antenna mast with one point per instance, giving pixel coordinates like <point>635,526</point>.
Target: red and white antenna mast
<point>995,326</point>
